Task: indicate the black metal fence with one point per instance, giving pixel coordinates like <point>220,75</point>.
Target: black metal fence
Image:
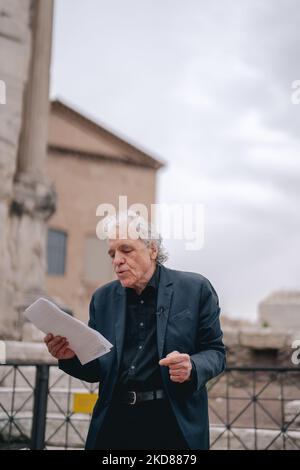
<point>37,408</point>
<point>249,408</point>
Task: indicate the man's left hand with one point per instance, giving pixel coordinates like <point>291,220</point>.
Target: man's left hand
<point>180,366</point>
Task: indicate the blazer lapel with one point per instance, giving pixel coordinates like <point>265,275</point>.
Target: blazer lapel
<point>164,298</point>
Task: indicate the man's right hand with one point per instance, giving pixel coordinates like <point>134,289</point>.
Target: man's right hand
<point>58,347</point>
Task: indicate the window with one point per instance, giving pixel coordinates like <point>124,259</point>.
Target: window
<point>56,252</point>
<point>97,263</point>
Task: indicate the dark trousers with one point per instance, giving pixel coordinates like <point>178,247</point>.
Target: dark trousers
<point>146,425</point>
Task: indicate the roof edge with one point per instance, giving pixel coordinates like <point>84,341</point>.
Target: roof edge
<point>148,160</point>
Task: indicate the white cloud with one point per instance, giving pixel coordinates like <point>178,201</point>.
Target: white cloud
<point>250,128</point>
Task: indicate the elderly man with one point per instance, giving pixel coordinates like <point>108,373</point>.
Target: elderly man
<point>165,327</point>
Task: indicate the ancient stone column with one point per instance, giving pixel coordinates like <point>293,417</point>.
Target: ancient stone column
<point>15,53</point>
<point>33,142</point>
<point>33,197</point>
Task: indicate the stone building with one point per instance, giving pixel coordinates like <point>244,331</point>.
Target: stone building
<point>281,310</point>
<point>88,165</point>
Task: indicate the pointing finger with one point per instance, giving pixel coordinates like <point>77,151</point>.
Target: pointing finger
<point>171,360</point>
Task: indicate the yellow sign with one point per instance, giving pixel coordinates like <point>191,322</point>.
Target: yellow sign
<point>84,402</point>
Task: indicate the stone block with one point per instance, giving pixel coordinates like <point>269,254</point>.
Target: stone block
<point>28,352</point>
<point>262,338</point>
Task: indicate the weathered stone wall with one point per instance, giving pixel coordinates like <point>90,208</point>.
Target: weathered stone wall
<point>26,199</point>
<point>259,347</point>
<point>15,50</point>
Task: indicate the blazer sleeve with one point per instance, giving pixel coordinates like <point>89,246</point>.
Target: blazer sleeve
<point>90,372</point>
<point>210,360</point>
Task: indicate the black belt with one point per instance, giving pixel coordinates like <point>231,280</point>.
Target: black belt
<point>132,397</point>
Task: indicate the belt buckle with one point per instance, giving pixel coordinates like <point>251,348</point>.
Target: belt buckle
<point>134,398</point>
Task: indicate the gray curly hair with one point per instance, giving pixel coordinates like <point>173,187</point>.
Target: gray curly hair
<point>138,227</point>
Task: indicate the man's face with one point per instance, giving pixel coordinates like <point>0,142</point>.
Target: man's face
<point>132,261</point>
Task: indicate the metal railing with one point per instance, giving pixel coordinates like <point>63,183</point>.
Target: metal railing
<point>249,408</point>
<point>255,408</point>
<point>36,408</point>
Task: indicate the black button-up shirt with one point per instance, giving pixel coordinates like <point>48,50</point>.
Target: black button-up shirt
<point>139,368</point>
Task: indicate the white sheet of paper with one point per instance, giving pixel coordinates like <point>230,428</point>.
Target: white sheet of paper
<point>88,344</point>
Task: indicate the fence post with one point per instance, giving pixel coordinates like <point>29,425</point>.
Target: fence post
<point>40,407</point>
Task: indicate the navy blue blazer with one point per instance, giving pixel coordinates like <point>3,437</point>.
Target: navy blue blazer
<point>188,322</point>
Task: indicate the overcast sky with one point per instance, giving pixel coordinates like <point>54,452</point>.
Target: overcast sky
<point>206,86</point>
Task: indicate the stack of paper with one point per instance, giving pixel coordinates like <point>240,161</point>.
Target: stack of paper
<point>88,344</point>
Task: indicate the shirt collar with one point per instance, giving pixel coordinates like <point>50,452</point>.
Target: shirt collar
<point>153,282</point>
